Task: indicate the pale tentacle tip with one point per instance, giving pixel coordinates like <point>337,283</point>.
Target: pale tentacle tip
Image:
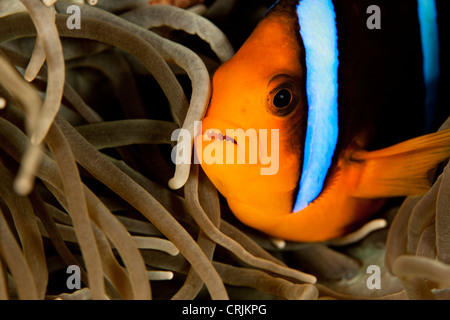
<point>310,279</point>
<point>174,184</point>
<point>2,103</point>
<point>23,185</point>
<point>160,275</point>
<point>177,182</point>
<point>49,3</point>
<point>278,243</point>
<point>360,233</point>
<point>173,251</point>
<point>29,76</point>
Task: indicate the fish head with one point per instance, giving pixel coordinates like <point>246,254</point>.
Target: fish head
<point>258,107</point>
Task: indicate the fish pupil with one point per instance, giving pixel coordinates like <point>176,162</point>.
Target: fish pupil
<point>282,99</point>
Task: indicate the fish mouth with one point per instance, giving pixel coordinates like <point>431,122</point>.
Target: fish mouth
<point>217,134</point>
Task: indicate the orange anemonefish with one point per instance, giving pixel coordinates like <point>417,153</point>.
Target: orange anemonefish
<point>337,92</point>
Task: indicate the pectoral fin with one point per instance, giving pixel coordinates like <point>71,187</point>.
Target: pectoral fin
<point>400,170</point>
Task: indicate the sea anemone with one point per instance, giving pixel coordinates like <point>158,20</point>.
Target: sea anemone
<point>87,116</point>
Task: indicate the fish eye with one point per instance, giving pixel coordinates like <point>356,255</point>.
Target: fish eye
<point>283,95</point>
<point>282,99</point>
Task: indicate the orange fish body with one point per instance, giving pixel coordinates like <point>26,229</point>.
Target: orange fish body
<point>263,87</point>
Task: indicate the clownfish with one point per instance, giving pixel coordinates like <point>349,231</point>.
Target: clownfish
<point>348,104</point>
